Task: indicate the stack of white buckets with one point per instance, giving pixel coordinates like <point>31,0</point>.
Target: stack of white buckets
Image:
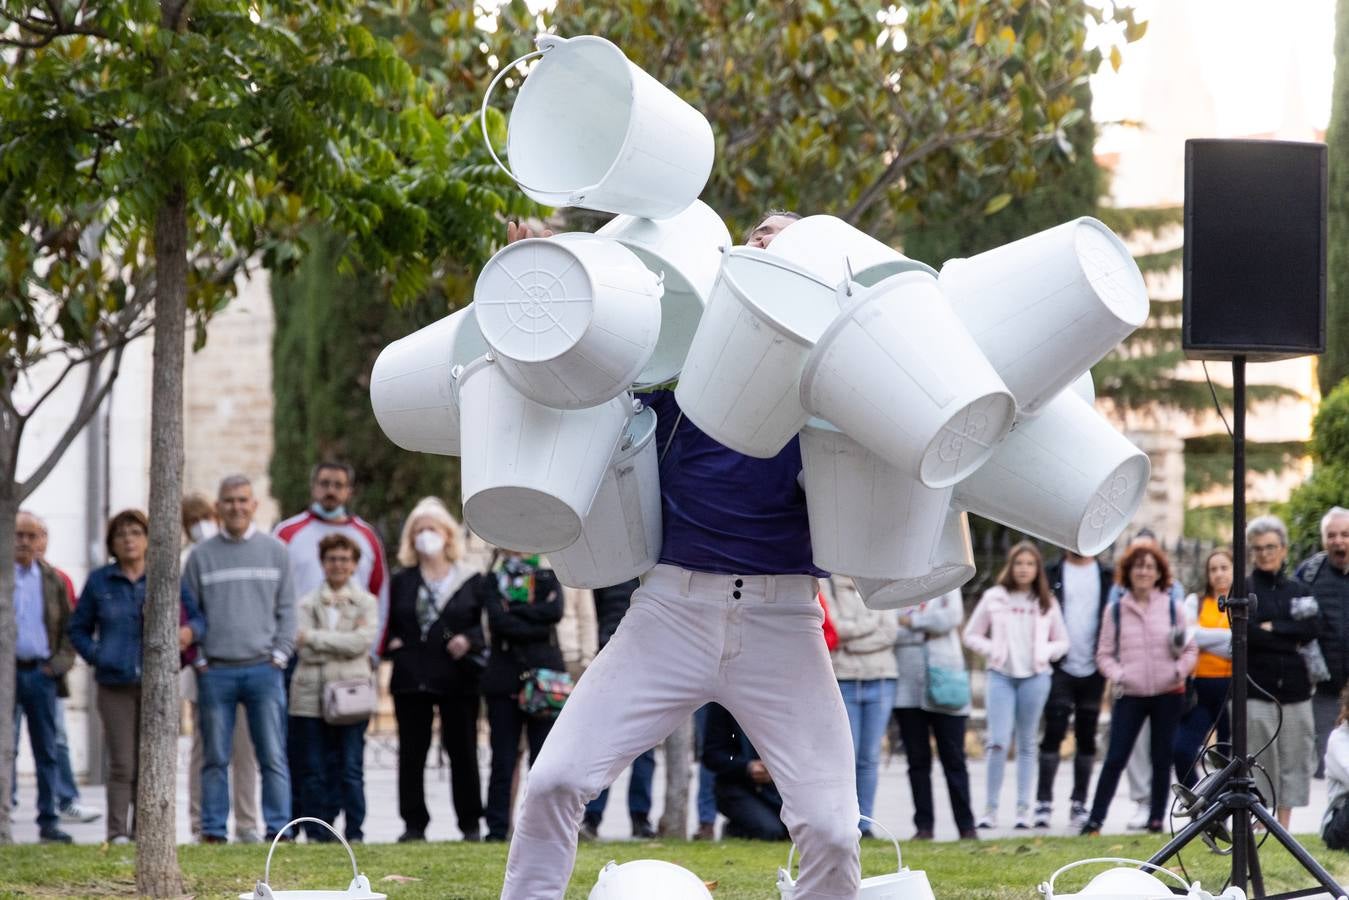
<point>917,396</point>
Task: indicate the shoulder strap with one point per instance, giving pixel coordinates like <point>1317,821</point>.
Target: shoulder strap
<point>1114,611</point>
<point>1313,567</point>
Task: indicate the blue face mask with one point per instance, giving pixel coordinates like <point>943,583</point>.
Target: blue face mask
<point>328,515</point>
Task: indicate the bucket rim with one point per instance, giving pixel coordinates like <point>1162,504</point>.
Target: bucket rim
<point>763,257</point>
<point>641,440</point>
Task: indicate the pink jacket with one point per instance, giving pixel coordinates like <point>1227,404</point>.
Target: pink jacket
<point>1146,666</point>
<point>986,631</point>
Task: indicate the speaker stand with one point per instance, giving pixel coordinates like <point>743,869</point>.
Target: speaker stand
<point>1233,794</point>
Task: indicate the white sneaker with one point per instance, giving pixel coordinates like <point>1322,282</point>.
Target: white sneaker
<point>247,836</point>
<point>1139,820</point>
<point>986,821</point>
<point>1022,822</point>
<point>1044,813</point>
<point>74,814</point>
<point>120,840</point>
<point>1079,815</point>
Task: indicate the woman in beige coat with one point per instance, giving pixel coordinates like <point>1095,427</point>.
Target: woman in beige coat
<point>336,626</point>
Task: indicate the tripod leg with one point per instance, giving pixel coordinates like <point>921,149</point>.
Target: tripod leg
<point>1187,834</point>
<point>1257,876</point>
<point>1297,851</point>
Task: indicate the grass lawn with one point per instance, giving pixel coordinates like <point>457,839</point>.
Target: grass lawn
<point>993,869</point>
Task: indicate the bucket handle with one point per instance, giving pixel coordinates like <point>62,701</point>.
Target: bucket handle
<point>267,869</point>
<point>544,42</point>
<point>1047,888</point>
<point>899,858</point>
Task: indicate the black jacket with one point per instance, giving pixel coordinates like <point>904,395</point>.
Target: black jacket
<point>611,604</point>
<point>1275,664</point>
<point>523,635</point>
<point>425,666</point>
<point>728,753</point>
<point>1330,587</point>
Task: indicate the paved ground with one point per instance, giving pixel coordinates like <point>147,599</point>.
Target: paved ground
<point>893,805</point>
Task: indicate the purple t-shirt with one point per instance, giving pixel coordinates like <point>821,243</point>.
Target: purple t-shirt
<point>725,512</point>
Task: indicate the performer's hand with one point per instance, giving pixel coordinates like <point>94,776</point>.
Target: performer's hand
<point>758,772</point>
<point>519,231</point>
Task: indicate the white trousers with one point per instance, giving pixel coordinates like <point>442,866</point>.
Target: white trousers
<point>751,643</point>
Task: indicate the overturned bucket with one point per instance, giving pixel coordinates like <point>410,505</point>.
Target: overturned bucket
<point>902,884</point>
<point>951,566</point>
<point>899,374</point>
<point>1065,476</point>
<point>1048,307</point>
<point>867,518</point>
<point>411,390</point>
<point>591,129</point>
<point>741,382</point>
<point>530,472</point>
<point>621,536</point>
<point>359,889</point>
<point>686,252</point>
<point>832,250</point>
<point>572,319</point>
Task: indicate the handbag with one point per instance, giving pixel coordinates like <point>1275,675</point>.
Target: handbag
<point>947,688</point>
<point>348,702</point>
<point>543,692</point>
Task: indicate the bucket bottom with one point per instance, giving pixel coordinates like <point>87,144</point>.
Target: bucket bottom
<point>967,440</point>
<point>1113,505</point>
<point>522,519</point>
<point>878,594</point>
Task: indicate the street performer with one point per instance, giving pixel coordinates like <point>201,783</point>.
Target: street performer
<point>729,615</point>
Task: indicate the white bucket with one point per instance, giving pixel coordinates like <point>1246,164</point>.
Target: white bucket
<point>648,879</point>
<point>1048,307</point>
<point>741,381</point>
<point>898,373</point>
<point>1128,881</point>
<point>686,251</point>
<point>359,889</point>
<point>591,129</point>
<point>902,884</point>
<point>866,517</point>
<point>951,566</point>
<point>530,473</point>
<point>1065,476</point>
<point>832,250</point>
<point>621,537</point>
<point>410,386</point>
<point>572,319</point>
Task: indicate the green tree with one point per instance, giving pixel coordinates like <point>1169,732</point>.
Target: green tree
<point>174,144</point>
<point>1328,484</point>
<point>1334,366</point>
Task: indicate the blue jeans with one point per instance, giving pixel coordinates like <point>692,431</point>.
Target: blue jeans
<point>707,781</point>
<point>868,704</point>
<point>639,790</point>
<point>66,790</point>
<point>326,790</point>
<point>1013,707</point>
<point>219,691</point>
<point>35,694</point>
<point>1195,725</point>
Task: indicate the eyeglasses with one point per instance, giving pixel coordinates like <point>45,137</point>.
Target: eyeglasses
<point>337,484</point>
<point>1266,548</point>
<point>336,558</point>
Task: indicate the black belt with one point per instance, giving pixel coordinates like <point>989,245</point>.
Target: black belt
<point>26,664</point>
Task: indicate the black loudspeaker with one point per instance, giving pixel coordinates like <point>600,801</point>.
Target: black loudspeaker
<point>1255,249</point>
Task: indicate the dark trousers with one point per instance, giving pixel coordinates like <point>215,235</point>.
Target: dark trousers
<point>639,790</point>
<point>35,693</point>
<point>1076,700</point>
<point>917,729</point>
<point>751,812</point>
<point>459,738</point>
<point>1195,724</point>
<point>506,721</point>
<point>325,789</point>
<point>1126,720</point>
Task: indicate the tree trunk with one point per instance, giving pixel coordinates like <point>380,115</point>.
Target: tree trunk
<point>157,872</point>
<point>678,748</point>
<point>9,508</point>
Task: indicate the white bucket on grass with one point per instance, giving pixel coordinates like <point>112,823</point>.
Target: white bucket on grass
<point>898,373</point>
<point>530,472</point>
<point>832,250</point>
<point>591,129</point>
<point>572,319</point>
<point>686,251</point>
<point>1066,476</point>
<point>359,889</point>
<point>742,378</point>
<point>952,565</point>
<point>902,884</point>
<point>648,879</point>
<point>411,390</point>
<point>621,537</point>
<point>1048,307</point>
<point>866,517</point>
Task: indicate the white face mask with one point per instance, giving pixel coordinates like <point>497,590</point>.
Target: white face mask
<point>203,530</point>
<point>429,542</point>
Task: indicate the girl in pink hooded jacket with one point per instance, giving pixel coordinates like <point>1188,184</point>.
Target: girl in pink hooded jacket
<point>1018,628</point>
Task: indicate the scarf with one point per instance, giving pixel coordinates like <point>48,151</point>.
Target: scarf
<point>515,577</point>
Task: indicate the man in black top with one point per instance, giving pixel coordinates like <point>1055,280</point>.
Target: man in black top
<point>746,795</point>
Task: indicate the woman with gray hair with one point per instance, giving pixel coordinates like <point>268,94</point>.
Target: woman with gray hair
<point>1277,628</point>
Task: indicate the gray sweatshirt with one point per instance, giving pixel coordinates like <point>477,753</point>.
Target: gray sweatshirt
<point>244,588</point>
